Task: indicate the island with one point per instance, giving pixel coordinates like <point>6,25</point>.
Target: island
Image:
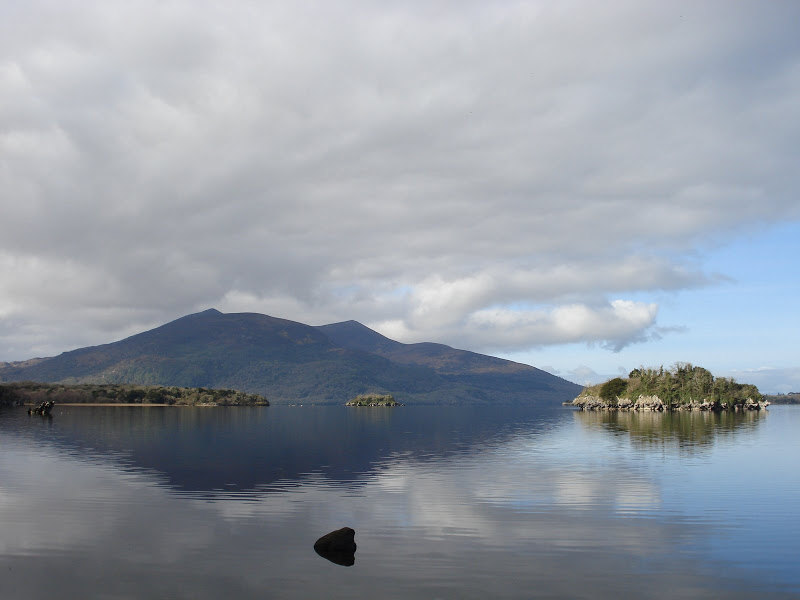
<point>373,400</point>
<point>27,392</point>
<point>684,387</point>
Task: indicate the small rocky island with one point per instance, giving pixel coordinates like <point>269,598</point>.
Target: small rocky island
<point>373,400</point>
<point>684,387</point>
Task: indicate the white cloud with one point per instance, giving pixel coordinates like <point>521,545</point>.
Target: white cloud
<point>584,375</point>
<point>616,324</point>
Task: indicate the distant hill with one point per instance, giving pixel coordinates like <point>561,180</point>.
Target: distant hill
<point>291,362</point>
<point>790,398</point>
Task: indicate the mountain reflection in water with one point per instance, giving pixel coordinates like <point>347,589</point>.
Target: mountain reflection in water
<point>209,503</point>
<point>245,448</point>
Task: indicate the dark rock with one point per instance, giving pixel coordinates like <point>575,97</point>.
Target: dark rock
<point>338,546</point>
<point>341,540</point>
<point>43,409</point>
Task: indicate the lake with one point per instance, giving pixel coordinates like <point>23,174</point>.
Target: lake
<point>167,502</point>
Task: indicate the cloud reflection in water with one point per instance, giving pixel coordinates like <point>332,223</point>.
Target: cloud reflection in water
<point>557,511</point>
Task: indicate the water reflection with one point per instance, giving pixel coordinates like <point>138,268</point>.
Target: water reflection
<point>687,430</point>
<point>239,450</point>
<point>443,508</point>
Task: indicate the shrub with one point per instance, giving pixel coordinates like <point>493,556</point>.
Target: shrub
<point>613,388</point>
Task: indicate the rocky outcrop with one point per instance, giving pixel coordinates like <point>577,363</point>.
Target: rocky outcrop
<point>373,400</point>
<point>338,546</point>
<point>654,403</point>
<point>43,409</point>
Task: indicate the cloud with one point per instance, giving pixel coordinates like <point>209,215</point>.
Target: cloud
<point>616,325</point>
<point>584,375</point>
<point>465,173</point>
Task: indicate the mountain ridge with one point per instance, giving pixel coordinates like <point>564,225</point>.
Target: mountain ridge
<point>289,362</point>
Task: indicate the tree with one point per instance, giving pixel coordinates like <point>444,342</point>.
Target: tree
<point>612,389</point>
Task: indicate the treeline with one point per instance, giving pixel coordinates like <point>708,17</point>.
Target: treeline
<point>683,384</point>
<point>790,398</point>
<point>20,393</point>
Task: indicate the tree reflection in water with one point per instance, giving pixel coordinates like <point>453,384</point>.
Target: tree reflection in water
<point>688,430</point>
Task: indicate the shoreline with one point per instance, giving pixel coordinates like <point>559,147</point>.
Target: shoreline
<point>655,404</point>
<point>87,404</point>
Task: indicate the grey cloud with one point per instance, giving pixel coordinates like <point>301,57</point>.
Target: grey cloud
<point>363,161</point>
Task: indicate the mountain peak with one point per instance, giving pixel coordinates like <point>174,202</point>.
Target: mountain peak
<point>356,336</point>
<point>287,361</point>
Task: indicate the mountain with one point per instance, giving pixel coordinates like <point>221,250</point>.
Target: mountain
<point>291,362</point>
<point>446,360</point>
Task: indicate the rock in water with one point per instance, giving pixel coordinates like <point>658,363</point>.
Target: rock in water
<point>338,546</point>
<point>341,540</point>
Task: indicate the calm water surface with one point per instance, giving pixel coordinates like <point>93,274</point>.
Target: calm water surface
<point>131,502</point>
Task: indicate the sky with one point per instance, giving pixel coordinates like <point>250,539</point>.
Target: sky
<point>585,187</point>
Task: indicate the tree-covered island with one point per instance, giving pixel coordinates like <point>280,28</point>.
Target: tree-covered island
<point>26,392</point>
<point>373,400</point>
<point>684,387</point>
